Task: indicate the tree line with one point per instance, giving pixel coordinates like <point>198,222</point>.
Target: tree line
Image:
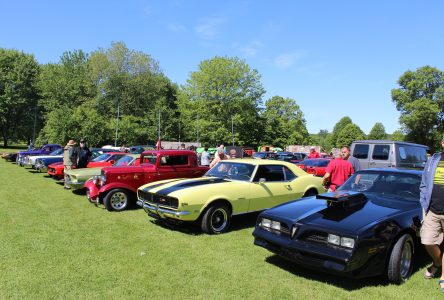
<point>119,94</point>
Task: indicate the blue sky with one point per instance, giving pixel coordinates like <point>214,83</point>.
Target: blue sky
<point>335,58</point>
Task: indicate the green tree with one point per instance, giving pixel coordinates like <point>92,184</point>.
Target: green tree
<point>337,129</point>
<point>18,95</point>
<point>348,134</point>
<point>377,132</point>
<point>420,100</point>
<point>397,135</point>
<point>131,81</point>
<point>284,123</point>
<point>222,94</point>
<point>323,139</point>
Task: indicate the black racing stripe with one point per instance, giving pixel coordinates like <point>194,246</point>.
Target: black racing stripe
<point>159,184</point>
<point>189,184</point>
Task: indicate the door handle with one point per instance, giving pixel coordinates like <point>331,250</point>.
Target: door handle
<point>288,186</point>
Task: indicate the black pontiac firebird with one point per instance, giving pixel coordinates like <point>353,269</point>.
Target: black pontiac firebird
<point>366,228</point>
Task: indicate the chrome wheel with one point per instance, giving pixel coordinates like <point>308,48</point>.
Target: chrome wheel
<point>219,219</point>
<point>118,200</point>
<point>406,260</point>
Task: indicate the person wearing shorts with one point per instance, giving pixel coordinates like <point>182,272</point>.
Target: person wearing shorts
<point>432,202</point>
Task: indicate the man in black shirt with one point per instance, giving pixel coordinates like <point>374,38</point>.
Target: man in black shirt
<point>432,202</point>
<point>84,154</point>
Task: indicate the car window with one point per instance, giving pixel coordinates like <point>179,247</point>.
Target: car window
<point>102,157</point>
<point>361,151</point>
<point>124,161</point>
<point>289,175</point>
<point>231,170</point>
<point>270,173</point>
<point>409,155</point>
<point>149,159</point>
<point>381,152</point>
<point>400,185</point>
<point>174,160</point>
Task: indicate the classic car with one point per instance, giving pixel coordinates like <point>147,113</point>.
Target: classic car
<point>45,149</point>
<point>117,186</point>
<point>368,227</point>
<point>231,187</point>
<point>315,166</point>
<point>32,160</point>
<point>56,170</point>
<point>290,156</point>
<point>78,177</point>
<point>10,156</point>
<point>264,155</point>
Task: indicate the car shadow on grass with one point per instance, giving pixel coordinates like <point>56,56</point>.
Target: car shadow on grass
<point>421,260</point>
<point>237,223</point>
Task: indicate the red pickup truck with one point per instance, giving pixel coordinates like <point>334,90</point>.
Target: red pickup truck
<point>116,187</point>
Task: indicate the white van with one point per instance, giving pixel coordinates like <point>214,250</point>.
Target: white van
<point>391,154</point>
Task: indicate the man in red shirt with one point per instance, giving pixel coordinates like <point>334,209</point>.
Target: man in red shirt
<point>313,153</point>
<point>338,170</point>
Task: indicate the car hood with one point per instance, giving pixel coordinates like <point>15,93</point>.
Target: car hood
<point>180,187</point>
<point>84,172</point>
<point>315,212</point>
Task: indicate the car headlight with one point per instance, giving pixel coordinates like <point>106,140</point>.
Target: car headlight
<point>265,223</point>
<point>271,225</point>
<point>99,180</point>
<point>341,241</point>
<point>334,239</point>
<point>347,242</point>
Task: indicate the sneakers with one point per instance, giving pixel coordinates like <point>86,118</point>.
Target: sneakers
<point>67,187</point>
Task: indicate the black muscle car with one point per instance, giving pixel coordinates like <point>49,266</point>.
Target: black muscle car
<point>367,227</point>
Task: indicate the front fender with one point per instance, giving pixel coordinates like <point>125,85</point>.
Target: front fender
<point>116,185</point>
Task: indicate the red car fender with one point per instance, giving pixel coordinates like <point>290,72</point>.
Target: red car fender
<point>93,191</point>
<point>116,185</point>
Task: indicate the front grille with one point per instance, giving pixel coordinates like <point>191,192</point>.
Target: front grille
<point>316,237</point>
<point>165,201</point>
<point>144,196</point>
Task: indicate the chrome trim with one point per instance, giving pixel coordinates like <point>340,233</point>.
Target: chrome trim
<point>161,211</point>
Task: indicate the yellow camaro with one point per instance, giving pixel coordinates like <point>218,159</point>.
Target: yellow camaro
<point>230,188</point>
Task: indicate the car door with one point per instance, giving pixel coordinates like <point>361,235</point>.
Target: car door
<point>362,152</point>
<point>381,156</point>
<point>272,185</point>
<point>173,166</point>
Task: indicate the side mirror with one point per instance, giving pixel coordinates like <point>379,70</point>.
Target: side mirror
<point>112,162</point>
<point>261,180</point>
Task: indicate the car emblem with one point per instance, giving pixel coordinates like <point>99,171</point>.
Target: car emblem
<point>162,200</point>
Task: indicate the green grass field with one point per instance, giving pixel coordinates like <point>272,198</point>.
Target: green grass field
<point>54,244</point>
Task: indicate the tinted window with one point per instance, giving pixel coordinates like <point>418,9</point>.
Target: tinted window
<point>360,151</point>
<point>270,173</point>
<point>174,160</point>
<point>412,155</point>
<point>289,175</point>
<point>381,152</point>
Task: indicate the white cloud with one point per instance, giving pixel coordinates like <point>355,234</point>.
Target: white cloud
<point>286,60</point>
<point>251,49</point>
<point>176,27</point>
<point>207,27</point>
<point>147,10</point>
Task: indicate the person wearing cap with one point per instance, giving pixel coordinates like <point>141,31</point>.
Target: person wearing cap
<point>220,155</point>
<point>83,154</point>
<point>313,153</point>
<point>432,202</point>
<point>69,159</point>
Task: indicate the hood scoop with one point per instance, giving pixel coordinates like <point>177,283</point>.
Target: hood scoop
<point>342,198</point>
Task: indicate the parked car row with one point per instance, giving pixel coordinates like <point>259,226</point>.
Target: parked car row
<point>368,227</point>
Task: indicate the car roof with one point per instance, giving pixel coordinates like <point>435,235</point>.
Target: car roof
<point>392,170</point>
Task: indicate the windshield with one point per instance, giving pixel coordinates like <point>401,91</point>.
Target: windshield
<point>124,161</point>
<point>232,170</point>
<point>402,185</point>
<point>315,162</point>
<point>57,152</point>
<point>149,159</point>
<point>102,157</point>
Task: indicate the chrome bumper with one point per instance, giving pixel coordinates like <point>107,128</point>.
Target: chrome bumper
<point>161,212</point>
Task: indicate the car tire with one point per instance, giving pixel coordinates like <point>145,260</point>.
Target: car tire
<point>310,192</point>
<point>216,219</point>
<point>400,265</point>
<point>117,200</point>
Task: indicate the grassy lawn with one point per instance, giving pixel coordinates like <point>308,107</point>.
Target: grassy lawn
<point>54,244</point>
